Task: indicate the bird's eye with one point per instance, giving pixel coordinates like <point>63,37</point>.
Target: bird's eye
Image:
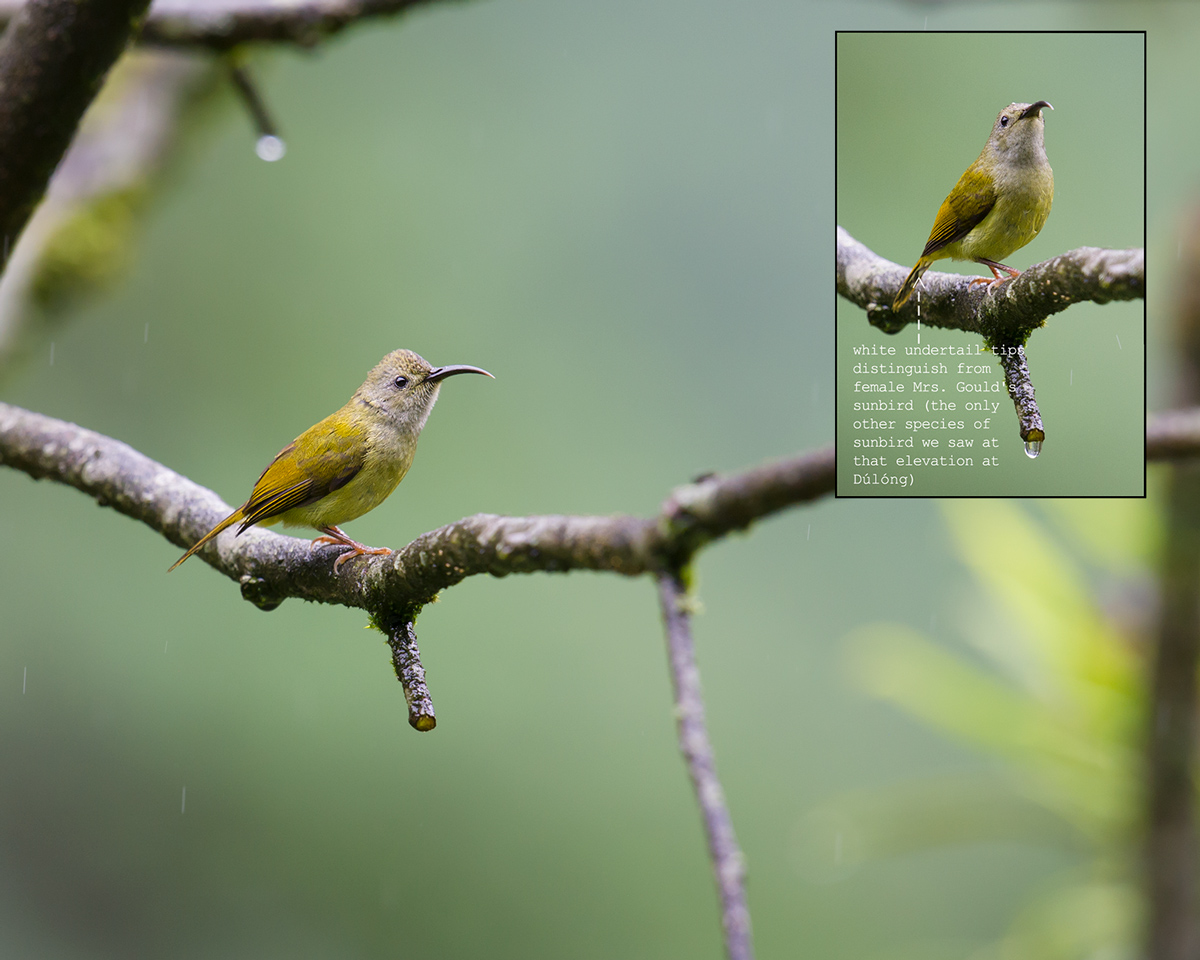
<point>401,382</point>
<point>1004,121</point>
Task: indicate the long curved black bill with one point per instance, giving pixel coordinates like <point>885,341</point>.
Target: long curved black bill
<point>1035,108</point>
<point>441,373</point>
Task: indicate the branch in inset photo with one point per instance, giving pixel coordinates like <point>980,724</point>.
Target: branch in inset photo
<point>406,658</point>
<point>1020,388</point>
<point>1003,312</point>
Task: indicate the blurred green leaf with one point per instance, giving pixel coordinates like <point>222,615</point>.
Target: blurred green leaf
<point>1059,700</point>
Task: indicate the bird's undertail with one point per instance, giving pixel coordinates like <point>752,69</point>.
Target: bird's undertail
<point>910,283</point>
<point>227,522</point>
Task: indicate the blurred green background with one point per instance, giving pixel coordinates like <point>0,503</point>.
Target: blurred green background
<point>914,110</point>
<point>626,214</point>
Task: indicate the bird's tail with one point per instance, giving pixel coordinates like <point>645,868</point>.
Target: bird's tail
<point>227,522</point>
<point>910,283</point>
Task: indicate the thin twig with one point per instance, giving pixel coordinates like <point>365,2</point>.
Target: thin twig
<point>1020,388</point>
<point>406,658</point>
<point>728,863</point>
<point>252,99</point>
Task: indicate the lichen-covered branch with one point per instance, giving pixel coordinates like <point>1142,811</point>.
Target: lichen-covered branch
<point>406,658</point>
<point>271,567</point>
<point>1020,388</point>
<point>221,24</point>
<point>726,855</point>
<point>53,58</point>
<point>1003,313</point>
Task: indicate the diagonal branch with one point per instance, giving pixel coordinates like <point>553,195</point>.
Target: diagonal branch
<point>1004,313</point>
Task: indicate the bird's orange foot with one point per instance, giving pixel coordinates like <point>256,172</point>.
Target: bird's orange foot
<point>996,268</point>
<point>997,278</point>
<point>358,551</point>
<point>335,536</point>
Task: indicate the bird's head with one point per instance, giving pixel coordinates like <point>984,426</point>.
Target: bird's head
<point>404,387</point>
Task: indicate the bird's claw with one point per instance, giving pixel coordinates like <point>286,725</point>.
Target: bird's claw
<point>358,551</point>
<point>337,538</point>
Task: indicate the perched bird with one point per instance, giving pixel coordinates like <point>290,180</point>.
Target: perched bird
<point>999,204</point>
<point>348,463</point>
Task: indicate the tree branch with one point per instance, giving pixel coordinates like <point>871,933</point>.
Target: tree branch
<point>53,58</point>
<point>1003,313</point>
<point>406,658</point>
<point>1173,435</point>
<point>726,855</point>
<point>222,24</point>
<point>1171,847</point>
<point>1020,389</point>
<point>271,567</point>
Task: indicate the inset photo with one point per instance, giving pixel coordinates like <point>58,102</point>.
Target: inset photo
<point>990,264</point>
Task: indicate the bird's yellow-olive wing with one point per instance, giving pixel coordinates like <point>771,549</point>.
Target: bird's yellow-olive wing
<point>319,461</point>
<point>969,202</point>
